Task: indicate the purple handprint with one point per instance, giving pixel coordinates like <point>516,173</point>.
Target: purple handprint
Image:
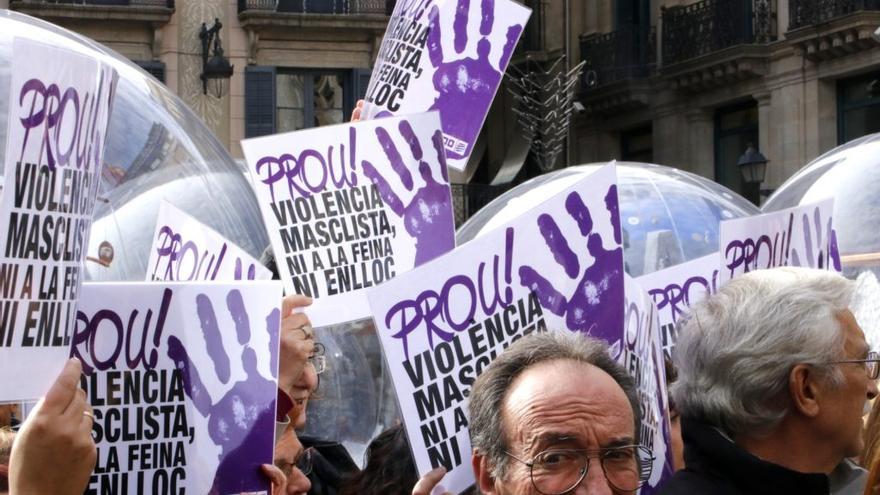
<point>466,83</point>
<point>242,422</point>
<point>827,254</point>
<point>428,216</point>
<point>597,302</point>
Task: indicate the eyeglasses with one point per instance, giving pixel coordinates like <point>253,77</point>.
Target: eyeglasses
<point>872,364</point>
<point>558,471</point>
<point>318,359</point>
<point>304,462</point>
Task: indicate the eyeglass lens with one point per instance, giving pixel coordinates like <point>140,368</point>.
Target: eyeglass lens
<point>304,463</point>
<point>555,472</point>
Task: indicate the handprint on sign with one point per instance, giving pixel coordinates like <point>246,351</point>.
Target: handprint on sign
<point>428,216</point>
<point>242,422</point>
<point>598,298</point>
<point>826,254</point>
<point>466,83</point>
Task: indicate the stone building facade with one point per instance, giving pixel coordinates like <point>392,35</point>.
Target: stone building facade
<point>676,82</point>
<point>691,84</point>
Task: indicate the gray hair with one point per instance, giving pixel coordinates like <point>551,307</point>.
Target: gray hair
<point>491,387</point>
<point>736,349</point>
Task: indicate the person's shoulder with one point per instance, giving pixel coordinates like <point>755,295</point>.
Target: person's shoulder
<point>686,482</point>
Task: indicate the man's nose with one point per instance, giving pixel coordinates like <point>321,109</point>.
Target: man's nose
<point>594,483</point>
<point>872,389</point>
<point>298,482</point>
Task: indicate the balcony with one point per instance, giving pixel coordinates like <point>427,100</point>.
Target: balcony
<point>147,11</point>
<point>715,42</point>
<point>828,29</point>
<point>336,7</point>
<point>371,15</point>
<point>617,65</point>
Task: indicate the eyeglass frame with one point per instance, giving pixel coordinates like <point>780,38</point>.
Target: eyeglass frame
<point>318,359</point>
<point>873,358</point>
<point>303,463</point>
<point>588,453</point>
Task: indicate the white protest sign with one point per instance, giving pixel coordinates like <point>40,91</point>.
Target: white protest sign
<point>642,356</point>
<point>557,266</point>
<point>185,249</point>
<point>468,44</point>
<point>798,236</point>
<point>183,382</point>
<point>350,206</point>
<point>676,289</point>
<point>59,106</point>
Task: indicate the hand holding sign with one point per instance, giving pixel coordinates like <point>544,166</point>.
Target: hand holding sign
<point>230,419</point>
<point>429,209</point>
<point>297,344</point>
<point>54,451</point>
<point>584,310</point>
<point>465,83</point>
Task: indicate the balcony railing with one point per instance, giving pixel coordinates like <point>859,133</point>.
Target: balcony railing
<point>710,25</point>
<point>125,3</point>
<point>628,53</point>
<point>811,12</point>
<point>381,7</point>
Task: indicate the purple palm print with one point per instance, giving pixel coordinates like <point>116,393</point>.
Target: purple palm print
<point>466,84</point>
<point>242,422</point>
<point>428,216</point>
<point>826,254</point>
<point>599,296</point>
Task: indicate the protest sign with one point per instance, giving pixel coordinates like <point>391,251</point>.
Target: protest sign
<point>186,249</point>
<point>59,106</point>
<point>183,382</point>
<point>440,325</point>
<point>676,288</point>
<point>468,45</point>
<point>798,236</point>
<point>642,356</point>
<point>350,206</point>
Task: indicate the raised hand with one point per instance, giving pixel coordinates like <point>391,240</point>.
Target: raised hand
<point>54,452</point>
<point>598,296</point>
<point>465,82</point>
<point>429,211</point>
<point>237,423</point>
<point>826,254</point>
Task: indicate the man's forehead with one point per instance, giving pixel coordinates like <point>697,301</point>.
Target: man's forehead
<point>855,336</point>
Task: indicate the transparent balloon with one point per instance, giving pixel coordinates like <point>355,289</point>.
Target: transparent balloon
<point>668,216</point>
<point>157,149</point>
<point>850,174</point>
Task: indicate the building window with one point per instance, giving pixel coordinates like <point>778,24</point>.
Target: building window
<point>736,127</point>
<point>156,69</point>
<point>310,98</point>
<point>858,107</point>
<point>637,145</point>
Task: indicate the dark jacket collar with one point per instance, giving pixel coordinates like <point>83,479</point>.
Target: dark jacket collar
<point>710,453</point>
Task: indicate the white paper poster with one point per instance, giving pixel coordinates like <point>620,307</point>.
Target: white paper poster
<point>185,249</point>
<point>798,236</point>
<point>676,289</point>
<point>445,55</point>
<point>350,206</point>
<point>182,378</point>
<point>557,266</point>
<point>59,107</point>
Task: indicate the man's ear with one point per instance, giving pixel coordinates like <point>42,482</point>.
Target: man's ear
<point>483,474</point>
<point>804,389</point>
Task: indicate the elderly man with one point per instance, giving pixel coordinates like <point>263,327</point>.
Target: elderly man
<point>773,377</point>
<point>555,414</point>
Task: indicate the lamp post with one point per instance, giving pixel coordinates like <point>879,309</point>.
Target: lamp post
<point>216,69</point>
<point>753,166</point>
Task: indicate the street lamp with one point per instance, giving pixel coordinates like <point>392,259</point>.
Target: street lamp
<point>753,166</point>
<point>216,70</point>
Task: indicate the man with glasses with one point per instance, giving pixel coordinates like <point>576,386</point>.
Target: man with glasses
<point>773,375</point>
<point>554,414</point>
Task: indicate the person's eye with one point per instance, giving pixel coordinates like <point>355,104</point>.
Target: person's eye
<point>554,458</point>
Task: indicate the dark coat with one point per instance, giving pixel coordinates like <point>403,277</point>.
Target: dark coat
<point>717,466</point>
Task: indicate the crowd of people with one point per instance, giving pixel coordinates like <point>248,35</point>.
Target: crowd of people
<point>771,379</point>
